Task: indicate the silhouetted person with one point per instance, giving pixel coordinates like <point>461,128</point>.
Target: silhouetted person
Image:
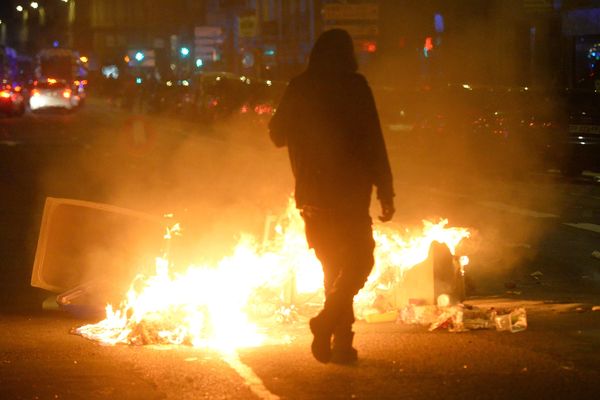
<point>328,120</point>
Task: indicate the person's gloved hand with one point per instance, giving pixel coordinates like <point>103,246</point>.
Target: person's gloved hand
<point>387,210</point>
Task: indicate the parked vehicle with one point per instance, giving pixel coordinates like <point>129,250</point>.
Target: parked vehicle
<point>11,91</point>
<point>261,100</point>
<point>12,102</point>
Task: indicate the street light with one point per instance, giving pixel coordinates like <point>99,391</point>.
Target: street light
<point>41,12</point>
<point>20,8</point>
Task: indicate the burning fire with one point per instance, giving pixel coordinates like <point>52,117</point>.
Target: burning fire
<point>232,304</point>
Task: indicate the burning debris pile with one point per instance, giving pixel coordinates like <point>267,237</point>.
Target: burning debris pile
<point>235,302</point>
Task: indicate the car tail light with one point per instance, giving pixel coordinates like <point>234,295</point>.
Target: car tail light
<point>35,93</point>
<point>263,109</point>
<point>5,94</point>
<point>67,93</point>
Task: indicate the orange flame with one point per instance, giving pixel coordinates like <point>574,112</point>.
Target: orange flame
<point>225,306</point>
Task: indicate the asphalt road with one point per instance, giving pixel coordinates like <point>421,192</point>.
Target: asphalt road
<point>223,180</point>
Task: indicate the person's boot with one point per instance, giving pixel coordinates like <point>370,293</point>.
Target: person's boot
<point>321,344</point>
<point>342,351</point>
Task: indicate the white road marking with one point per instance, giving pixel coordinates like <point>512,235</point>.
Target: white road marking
<point>584,225</point>
<point>516,210</point>
<point>255,384</point>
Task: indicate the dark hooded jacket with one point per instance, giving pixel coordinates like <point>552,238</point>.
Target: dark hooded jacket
<point>328,120</point>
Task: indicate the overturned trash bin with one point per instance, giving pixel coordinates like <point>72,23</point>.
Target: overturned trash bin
<point>89,252</point>
<point>440,274</point>
<point>436,281</point>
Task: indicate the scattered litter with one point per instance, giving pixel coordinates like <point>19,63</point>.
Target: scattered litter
<point>596,254</point>
<point>516,321</point>
<point>461,318</point>
<point>451,318</point>
<point>374,317</point>
<point>443,300</point>
<point>50,303</point>
<point>418,315</point>
<point>536,274</point>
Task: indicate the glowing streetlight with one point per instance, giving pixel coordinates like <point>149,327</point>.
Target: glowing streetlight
<point>34,5</point>
<point>20,8</point>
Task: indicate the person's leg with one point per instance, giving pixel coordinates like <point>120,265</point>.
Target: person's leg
<point>320,237</point>
<point>356,265</point>
<point>344,245</point>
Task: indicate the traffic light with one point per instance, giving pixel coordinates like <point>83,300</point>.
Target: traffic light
<point>184,51</point>
<point>428,46</point>
<point>139,56</point>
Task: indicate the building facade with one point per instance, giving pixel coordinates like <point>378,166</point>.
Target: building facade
<point>495,42</point>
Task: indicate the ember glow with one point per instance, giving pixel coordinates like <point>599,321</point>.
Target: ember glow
<point>235,303</point>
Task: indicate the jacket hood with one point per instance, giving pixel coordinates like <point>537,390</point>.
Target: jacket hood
<point>333,52</point>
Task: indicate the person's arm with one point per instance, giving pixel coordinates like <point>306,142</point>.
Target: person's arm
<point>377,157</point>
<point>280,122</point>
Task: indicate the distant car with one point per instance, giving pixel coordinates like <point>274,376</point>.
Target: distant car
<point>11,100</point>
<point>51,94</point>
<point>261,100</point>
